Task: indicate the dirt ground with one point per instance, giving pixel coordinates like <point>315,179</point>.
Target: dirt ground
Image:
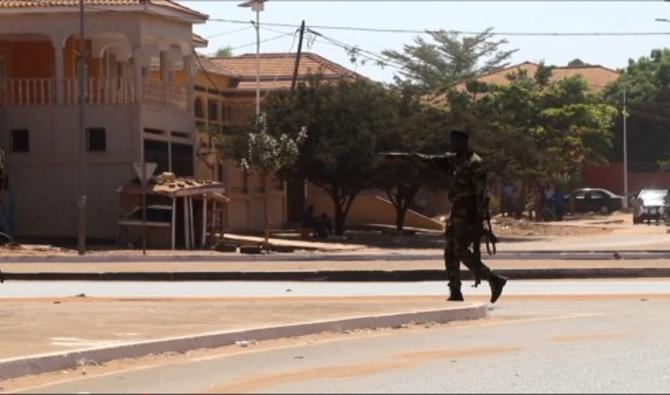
<point>378,236</point>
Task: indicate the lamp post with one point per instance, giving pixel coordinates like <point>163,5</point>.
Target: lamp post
<point>81,201</point>
<point>257,6</point>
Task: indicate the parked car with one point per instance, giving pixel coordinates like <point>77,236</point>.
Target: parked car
<point>598,200</point>
<point>654,203</point>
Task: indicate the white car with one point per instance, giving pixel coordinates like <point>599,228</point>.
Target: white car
<point>653,207</point>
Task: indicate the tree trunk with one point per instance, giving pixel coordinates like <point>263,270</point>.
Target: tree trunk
<point>339,217</point>
<point>400,213</point>
<point>402,200</point>
<point>266,209</point>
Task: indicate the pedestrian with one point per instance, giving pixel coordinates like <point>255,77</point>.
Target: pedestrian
<point>467,192</point>
<point>508,200</point>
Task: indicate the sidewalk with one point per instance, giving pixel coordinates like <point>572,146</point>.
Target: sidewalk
<point>41,334</point>
<point>328,270</point>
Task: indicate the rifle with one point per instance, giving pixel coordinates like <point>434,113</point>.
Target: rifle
<point>485,231</point>
<point>442,161</point>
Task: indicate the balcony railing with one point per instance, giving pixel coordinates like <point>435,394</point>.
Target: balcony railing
<point>42,91</point>
<point>168,94</point>
<point>100,91</point>
<point>26,92</point>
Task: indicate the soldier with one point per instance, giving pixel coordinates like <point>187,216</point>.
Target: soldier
<point>466,183</point>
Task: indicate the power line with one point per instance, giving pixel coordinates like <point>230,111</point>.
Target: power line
<point>463,32</point>
<point>262,41</point>
<point>357,51</point>
<point>228,32</point>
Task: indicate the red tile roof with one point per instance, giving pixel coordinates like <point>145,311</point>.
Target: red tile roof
<point>110,3</point>
<point>215,68</point>
<point>276,69</point>
<point>199,41</point>
<point>597,77</point>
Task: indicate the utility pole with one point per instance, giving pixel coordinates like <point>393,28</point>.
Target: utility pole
<point>258,63</point>
<point>297,57</point>
<point>81,201</point>
<point>296,188</point>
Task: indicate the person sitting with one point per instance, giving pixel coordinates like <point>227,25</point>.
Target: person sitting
<point>325,225</point>
<point>309,221</point>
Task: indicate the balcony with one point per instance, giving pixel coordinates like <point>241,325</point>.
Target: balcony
<point>166,94</point>
<point>26,92</point>
<point>98,91</point>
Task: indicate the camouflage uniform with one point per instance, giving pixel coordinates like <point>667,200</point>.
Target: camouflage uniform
<point>466,183</point>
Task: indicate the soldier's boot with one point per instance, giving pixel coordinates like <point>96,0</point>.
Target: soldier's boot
<point>496,283</point>
<point>455,294</point>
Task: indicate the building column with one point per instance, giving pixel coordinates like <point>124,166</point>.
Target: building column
<point>138,58</point>
<point>188,65</point>
<point>59,75</point>
<point>165,75</point>
<point>165,66</point>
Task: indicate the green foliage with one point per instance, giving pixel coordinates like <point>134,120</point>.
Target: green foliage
<point>267,153</point>
<point>544,133</point>
<point>344,120</point>
<point>448,58</point>
<point>647,82</point>
<point>418,128</point>
<point>576,63</point>
<point>225,52</point>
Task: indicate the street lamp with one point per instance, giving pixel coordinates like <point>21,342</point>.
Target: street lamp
<point>257,6</point>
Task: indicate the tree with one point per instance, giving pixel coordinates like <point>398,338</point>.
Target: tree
<point>534,133</point>
<point>344,119</point>
<point>417,129</point>
<point>225,52</point>
<point>267,154</point>
<point>647,82</point>
<point>448,58</point>
<point>543,74</point>
<point>576,63</point>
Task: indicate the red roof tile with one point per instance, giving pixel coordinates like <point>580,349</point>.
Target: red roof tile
<point>597,77</point>
<point>280,65</point>
<point>215,68</point>
<point>111,3</point>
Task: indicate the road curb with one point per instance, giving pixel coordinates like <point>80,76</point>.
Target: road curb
<point>337,275</point>
<point>342,256</point>
<point>16,367</point>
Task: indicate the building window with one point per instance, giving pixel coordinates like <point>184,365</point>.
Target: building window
<point>212,110</point>
<point>96,140</point>
<point>227,115</point>
<point>199,109</point>
<point>158,152</point>
<point>181,135</point>
<point>182,159</point>
<point>20,140</point>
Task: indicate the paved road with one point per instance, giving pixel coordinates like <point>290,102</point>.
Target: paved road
<point>582,345</point>
<point>249,289</point>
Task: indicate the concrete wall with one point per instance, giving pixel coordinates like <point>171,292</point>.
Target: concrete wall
<point>44,181</point>
<point>368,208</point>
<point>611,177</point>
